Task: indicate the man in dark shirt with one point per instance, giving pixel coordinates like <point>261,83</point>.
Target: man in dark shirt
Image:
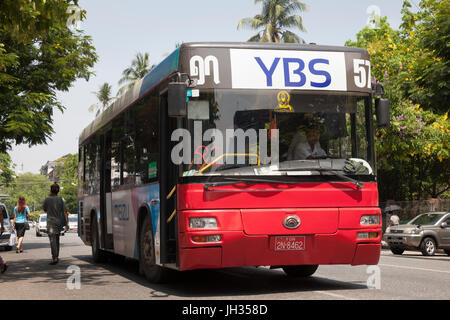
<point>56,211</point>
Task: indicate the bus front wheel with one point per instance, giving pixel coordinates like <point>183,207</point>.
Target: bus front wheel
<point>147,258</point>
<point>300,271</point>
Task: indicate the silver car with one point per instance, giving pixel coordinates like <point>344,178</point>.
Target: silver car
<point>426,232</point>
<point>4,237</point>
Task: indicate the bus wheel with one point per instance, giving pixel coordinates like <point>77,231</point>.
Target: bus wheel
<point>396,250</point>
<point>97,254</point>
<point>147,258</point>
<point>300,271</point>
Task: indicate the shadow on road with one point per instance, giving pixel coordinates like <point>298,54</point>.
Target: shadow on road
<point>223,282</point>
<point>39,245</point>
<point>35,271</point>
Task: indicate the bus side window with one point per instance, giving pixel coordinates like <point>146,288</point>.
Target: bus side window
<point>128,148</point>
<point>147,149</point>
<point>116,153</point>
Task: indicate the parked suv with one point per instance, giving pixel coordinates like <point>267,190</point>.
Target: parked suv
<point>4,238</point>
<point>426,232</point>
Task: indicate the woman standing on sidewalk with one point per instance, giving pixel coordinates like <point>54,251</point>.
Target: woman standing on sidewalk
<point>21,212</point>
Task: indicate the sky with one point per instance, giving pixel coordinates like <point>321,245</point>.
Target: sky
<point>122,28</point>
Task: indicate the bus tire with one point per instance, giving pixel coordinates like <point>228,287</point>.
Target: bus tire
<point>97,254</point>
<point>147,257</point>
<point>300,271</point>
<point>396,250</point>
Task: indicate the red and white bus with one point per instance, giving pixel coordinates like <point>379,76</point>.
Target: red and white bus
<point>237,154</point>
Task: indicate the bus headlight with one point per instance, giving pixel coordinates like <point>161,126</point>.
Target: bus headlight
<point>370,220</point>
<point>203,223</point>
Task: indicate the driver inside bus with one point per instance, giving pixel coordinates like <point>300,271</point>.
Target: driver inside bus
<point>305,145</point>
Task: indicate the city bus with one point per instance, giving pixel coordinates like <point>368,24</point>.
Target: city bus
<point>237,154</point>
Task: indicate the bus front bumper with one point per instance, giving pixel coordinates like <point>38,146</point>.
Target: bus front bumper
<point>236,248</point>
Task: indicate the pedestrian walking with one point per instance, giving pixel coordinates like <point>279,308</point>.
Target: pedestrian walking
<point>394,220</point>
<point>21,214</point>
<point>3,265</point>
<point>57,219</point>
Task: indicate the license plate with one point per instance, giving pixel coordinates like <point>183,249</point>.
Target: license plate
<point>289,243</point>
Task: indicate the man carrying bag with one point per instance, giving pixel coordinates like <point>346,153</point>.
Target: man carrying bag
<point>57,219</point>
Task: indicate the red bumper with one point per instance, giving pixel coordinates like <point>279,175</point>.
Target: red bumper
<point>237,248</point>
<point>248,221</point>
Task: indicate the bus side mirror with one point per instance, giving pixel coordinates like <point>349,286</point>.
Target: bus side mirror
<point>382,111</point>
<point>176,100</point>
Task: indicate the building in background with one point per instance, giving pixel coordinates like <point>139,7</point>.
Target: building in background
<point>49,171</point>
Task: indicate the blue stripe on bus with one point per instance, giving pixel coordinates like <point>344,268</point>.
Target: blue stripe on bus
<point>162,70</point>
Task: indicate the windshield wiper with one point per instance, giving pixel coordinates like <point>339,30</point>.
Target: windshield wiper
<point>233,180</point>
<point>320,169</point>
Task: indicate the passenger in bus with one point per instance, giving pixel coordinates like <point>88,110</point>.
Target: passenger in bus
<point>305,145</point>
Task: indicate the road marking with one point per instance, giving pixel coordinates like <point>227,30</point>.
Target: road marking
<point>334,295</point>
<point>413,268</point>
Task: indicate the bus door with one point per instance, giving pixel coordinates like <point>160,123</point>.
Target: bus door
<point>168,185</point>
<point>106,236</point>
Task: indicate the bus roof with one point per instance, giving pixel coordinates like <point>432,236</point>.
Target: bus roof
<point>171,65</point>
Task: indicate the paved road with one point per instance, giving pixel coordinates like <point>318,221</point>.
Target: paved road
<point>410,276</point>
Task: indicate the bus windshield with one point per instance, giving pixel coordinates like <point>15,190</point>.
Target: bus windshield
<point>251,132</point>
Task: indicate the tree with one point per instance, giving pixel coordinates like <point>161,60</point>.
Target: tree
<point>39,55</point>
<point>6,170</point>
<point>103,96</point>
<point>428,30</point>
<point>34,187</point>
<point>416,145</point>
<point>67,171</point>
<point>140,66</point>
<point>274,20</point>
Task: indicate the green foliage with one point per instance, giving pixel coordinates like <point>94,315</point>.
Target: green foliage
<point>34,187</point>
<point>67,171</point>
<point>104,97</point>
<point>34,215</point>
<point>39,56</point>
<point>413,65</point>
<point>274,20</point>
<point>140,66</point>
<point>6,170</point>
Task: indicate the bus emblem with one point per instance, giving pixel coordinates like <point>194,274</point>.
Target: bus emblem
<point>200,68</point>
<point>291,222</point>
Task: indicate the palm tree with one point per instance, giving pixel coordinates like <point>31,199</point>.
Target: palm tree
<point>103,96</point>
<point>275,18</point>
<point>138,69</point>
